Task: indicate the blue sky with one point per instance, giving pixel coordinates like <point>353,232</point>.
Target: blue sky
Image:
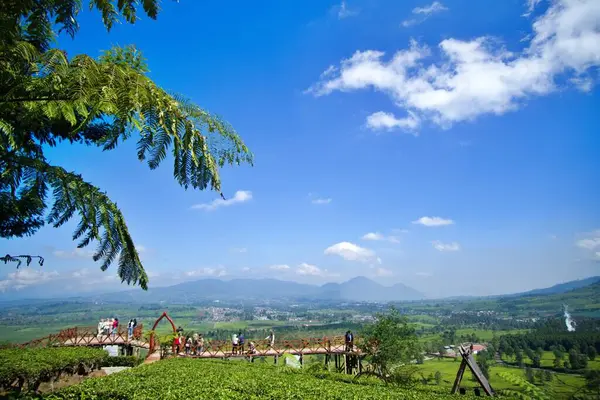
<point>452,146</point>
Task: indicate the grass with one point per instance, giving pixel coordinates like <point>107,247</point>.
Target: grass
<point>484,335</point>
<point>563,385</point>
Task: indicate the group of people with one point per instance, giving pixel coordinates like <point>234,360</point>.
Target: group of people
<point>192,345</point>
<point>110,326</point>
<point>195,344</point>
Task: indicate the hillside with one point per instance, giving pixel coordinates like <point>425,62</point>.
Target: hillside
<point>356,289</point>
<point>562,287</point>
<point>201,379</point>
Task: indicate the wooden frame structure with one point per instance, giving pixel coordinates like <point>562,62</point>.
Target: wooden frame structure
<point>346,359</point>
<point>469,361</point>
<point>152,344</point>
<point>89,336</point>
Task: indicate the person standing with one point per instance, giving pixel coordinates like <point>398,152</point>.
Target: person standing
<point>271,339</point>
<point>234,343</point>
<point>130,329</point>
<point>241,342</point>
<point>349,339</point>
<point>200,347</point>
<point>115,326</point>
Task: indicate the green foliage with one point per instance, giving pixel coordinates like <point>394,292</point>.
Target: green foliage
<point>528,390</point>
<point>202,379</point>
<point>29,367</point>
<point>592,381</point>
<point>122,361</point>
<point>48,98</point>
<point>438,377</point>
<point>389,341</point>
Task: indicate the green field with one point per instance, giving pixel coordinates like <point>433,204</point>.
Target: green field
<point>484,335</point>
<point>563,385</point>
<point>186,378</point>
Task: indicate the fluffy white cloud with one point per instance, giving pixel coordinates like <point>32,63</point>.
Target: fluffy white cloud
<point>321,201</point>
<point>423,13</point>
<point>387,121</point>
<point>308,269</point>
<point>77,253</point>
<point>352,252</point>
<point>344,12</point>
<point>25,277</point>
<point>207,271</point>
<point>433,221</point>
<point>591,244</point>
<point>439,246</point>
<point>312,270</point>
<point>280,267</point>
<point>241,196</point>
<point>376,236</point>
<point>479,76</point>
<point>383,272</point>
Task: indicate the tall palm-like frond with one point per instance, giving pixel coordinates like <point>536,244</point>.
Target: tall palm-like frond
<point>47,97</point>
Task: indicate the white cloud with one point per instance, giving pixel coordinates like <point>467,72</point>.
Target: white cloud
<point>479,76</point>
<point>312,270</point>
<point>207,271</point>
<point>308,269</point>
<point>433,8</point>
<point>590,243</point>
<point>77,253</point>
<point>239,250</point>
<point>141,249</point>
<point>25,277</point>
<point>351,252</point>
<point>387,121</point>
<point>344,12</point>
<point>383,272</point>
<point>433,221</point>
<point>376,236</point>
<point>321,201</point>
<point>423,13</point>
<point>241,196</point>
<point>246,269</point>
<point>439,246</point>
<point>280,267</point>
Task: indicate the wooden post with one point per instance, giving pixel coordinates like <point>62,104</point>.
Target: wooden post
<point>326,359</point>
<point>346,364</point>
<point>301,361</point>
<point>459,375</point>
<point>275,359</point>
<point>359,364</point>
<point>337,362</point>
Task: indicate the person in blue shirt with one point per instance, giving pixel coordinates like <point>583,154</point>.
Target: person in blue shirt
<point>241,342</point>
<point>349,339</point>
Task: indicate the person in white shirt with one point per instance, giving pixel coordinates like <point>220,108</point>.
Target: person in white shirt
<point>235,341</point>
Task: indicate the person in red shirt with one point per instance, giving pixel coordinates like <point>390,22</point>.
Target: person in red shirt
<point>115,326</point>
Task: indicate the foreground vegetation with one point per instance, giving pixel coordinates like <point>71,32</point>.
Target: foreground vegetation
<point>186,378</point>
<point>27,368</point>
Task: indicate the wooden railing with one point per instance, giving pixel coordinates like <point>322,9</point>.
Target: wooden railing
<point>222,348</point>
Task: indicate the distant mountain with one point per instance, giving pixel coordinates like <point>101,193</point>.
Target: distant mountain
<point>357,289</point>
<point>561,287</point>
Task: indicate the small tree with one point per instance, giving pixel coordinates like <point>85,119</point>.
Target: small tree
<point>438,378</point>
<point>519,358</point>
<point>548,376</point>
<point>529,375</point>
<point>591,353</point>
<point>592,381</point>
<point>389,342</point>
